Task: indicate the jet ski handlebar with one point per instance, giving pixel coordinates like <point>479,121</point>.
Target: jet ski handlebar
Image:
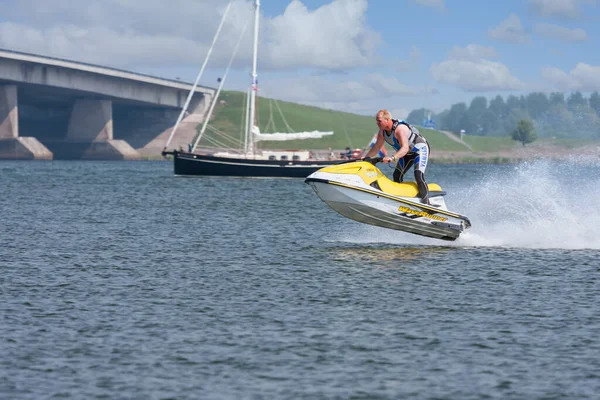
<point>373,160</point>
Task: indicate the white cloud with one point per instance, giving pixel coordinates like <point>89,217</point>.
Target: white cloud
<point>472,52</point>
<point>182,18</point>
<point>129,34</point>
<point>122,33</point>
<point>510,30</point>
<point>385,86</point>
<point>364,108</point>
<point>583,77</point>
<point>555,8</point>
<point>475,76</point>
<point>561,33</point>
<point>470,69</point>
<point>361,95</point>
<point>436,4</point>
<point>558,78</point>
<point>143,36</point>
<point>100,45</point>
<point>319,89</point>
<point>334,36</point>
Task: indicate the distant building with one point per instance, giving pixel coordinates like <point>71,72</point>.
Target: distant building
<point>428,122</point>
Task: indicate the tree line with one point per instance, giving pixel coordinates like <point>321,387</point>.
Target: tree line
<point>551,115</point>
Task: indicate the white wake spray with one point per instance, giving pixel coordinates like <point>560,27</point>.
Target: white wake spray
<point>540,204</point>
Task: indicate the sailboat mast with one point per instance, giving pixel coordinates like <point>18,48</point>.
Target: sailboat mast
<point>254,78</point>
<point>244,131</point>
<point>191,93</point>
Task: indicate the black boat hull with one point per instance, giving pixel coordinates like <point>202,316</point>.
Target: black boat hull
<point>209,165</point>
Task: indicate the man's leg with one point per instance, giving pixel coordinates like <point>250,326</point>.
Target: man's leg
<point>422,150</point>
<point>403,165</point>
<point>422,185</point>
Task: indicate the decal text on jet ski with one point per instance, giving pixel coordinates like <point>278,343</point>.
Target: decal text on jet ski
<point>371,173</point>
<point>421,214</point>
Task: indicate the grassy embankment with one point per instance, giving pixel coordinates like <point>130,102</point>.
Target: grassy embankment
<point>352,130</point>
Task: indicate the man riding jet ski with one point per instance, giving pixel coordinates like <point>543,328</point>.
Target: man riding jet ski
<point>410,149</point>
<point>360,191</point>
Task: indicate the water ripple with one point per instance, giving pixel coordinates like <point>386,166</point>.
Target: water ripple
<point>122,281</point>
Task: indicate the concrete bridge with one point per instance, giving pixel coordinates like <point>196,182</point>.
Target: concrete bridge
<point>60,109</point>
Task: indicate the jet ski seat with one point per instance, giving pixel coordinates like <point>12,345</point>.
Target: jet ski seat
<point>405,189</point>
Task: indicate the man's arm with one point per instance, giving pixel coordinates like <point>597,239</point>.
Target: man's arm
<point>401,133</point>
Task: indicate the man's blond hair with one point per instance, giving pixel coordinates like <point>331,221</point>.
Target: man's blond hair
<point>385,114</point>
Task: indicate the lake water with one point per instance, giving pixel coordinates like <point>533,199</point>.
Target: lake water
<point>120,280</point>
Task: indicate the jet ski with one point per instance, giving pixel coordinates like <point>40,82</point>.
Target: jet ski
<point>360,191</point>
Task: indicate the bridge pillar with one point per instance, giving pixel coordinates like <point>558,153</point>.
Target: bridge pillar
<point>13,147</point>
<point>91,121</point>
<point>90,134</point>
<point>187,129</point>
<point>9,114</point>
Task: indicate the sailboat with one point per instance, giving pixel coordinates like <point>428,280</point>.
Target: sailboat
<point>247,161</point>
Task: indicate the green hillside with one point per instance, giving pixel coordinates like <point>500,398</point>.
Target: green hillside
<point>489,144</point>
<point>350,130</point>
<point>356,131</point>
<point>439,141</point>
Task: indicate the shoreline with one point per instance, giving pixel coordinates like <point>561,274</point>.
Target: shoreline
<point>499,157</point>
<point>517,155</point>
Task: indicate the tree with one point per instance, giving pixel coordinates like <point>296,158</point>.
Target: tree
<point>558,122</point>
<point>455,118</point>
<point>475,113</point>
<point>416,117</point>
<point>557,98</point>
<point>586,122</point>
<point>512,102</point>
<point>489,122</point>
<point>465,123</point>
<point>595,102</point>
<point>438,118</point>
<point>575,101</point>
<point>537,104</point>
<point>525,132</point>
<point>513,118</point>
<point>553,115</point>
<point>498,107</point>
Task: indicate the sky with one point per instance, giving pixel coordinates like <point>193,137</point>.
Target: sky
<point>352,55</point>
